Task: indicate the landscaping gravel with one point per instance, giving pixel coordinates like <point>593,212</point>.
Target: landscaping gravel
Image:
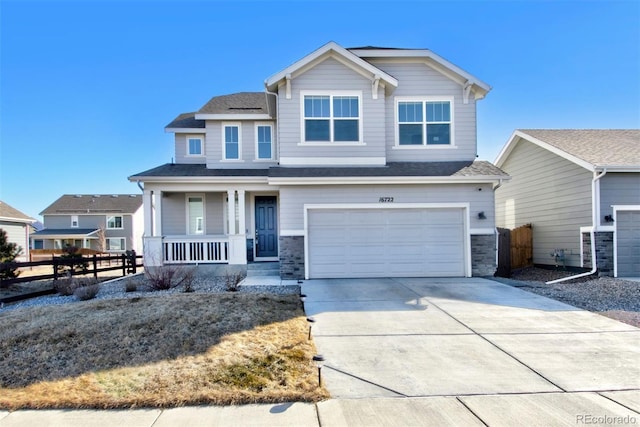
<point>116,288</point>
<point>615,298</point>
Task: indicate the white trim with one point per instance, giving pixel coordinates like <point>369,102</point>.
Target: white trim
<point>464,206</point>
<point>224,126</point>
<point>482,231</point>
<point>184,130</point>
<point>368,180</point>
<point>338,50</point>
<point>188,145</point>
<point>233,117</point>
<point>291,232</point>
<point>307,161</point>
<point>519,135</point>
<point>204,213</point>
<point>621,208</point>
<point>332,119</point>
<point>253,224</point>
<point>76,219</point>
<point>424,100</point>
<point>123,239</point>
<point>257,150</point>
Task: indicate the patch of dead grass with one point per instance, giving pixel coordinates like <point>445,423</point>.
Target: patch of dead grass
<point>184,349</point>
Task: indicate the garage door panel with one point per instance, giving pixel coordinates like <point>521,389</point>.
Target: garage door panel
<point>386,242</point>
<point>628,243</point>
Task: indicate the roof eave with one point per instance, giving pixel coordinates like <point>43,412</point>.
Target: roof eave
<point>185,130</point>
<point>205,116</point>
<point>364,180</point>
<point>201,179</point>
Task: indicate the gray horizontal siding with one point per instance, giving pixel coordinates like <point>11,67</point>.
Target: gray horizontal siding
<point>181,150</point>
<point>84,221</point>
<point>174,213</point>
<point>618,189</point>
<point>213,149</point>
<point>17,233</point>
<point>549,192</point>
<point>418,79</point>
<point>327,76</point>
<point>293,199</point>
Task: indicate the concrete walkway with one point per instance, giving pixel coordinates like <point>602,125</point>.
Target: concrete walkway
<point>421,352</point>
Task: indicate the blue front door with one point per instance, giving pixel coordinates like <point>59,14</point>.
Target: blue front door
<point>266,227</point>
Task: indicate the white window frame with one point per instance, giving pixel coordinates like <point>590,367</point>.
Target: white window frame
<point>122,240</point>
<point>115,228</point>
<point>424,100</point>
<point>258,158</point>
<point>225,125</point>
<point>188,146</point>
<point>204,213</point>
<point>75,221</point>
<point>331,94</point>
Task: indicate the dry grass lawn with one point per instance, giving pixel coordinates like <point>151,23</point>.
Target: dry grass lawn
<point>182,349</point>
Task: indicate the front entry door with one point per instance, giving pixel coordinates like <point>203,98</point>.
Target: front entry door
<point>266,227</point>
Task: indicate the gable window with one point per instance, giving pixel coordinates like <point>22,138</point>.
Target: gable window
<point>195,214</point>
<point>331,117</point>
<point>194,146</point>
<point>231,142</point>
<point>424,123</point>
<point>114,222</point>
<point>116,244</point>
<point>74,221</point>
<point>264,146</point>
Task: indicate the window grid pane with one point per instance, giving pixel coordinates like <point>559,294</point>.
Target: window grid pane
<point>231,143</point>
<point>195,146</point>
<point>316,106</point>
<point>345,106</point>
<point>410,112</point>
<point>264,142</point>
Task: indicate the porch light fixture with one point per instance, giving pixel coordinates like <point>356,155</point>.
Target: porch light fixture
<point>319,361</point>
<point>311,321</point>
<point>303,298</point>
<point>608,218</point>
<point>481,215</point>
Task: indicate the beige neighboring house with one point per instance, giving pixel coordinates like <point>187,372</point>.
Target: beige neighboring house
<point>579,189</point>
<point>18,226</point>
<point>80,219</point>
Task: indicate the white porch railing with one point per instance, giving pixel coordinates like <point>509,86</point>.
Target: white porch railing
<point>189,249</point>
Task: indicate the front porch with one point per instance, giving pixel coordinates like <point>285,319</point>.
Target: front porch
<point>210,227</point>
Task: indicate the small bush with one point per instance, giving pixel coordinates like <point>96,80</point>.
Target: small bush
<point>72,260</point>
<point>232,281</point>
<point>66,286</point>
<point>130,286</point>
<point>88,292</point>
<point>168,277</point>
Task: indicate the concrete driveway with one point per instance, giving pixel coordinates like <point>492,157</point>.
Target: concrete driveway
<point>474,349</point>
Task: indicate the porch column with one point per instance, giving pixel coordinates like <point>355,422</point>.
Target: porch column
<point>157,213</point>
<point>147,206</point>
<point>242,225</point>
<point>231,211</point>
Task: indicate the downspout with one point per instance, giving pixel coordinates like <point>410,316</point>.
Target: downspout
<point>274,115</point>
<point>592,233</point>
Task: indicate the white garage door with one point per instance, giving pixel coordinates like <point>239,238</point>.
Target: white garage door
<point>628,243</point>
<point>351,243</point>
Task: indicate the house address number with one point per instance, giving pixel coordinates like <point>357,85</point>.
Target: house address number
<point>385,200</point>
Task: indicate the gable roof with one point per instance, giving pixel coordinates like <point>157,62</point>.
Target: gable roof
<point>93,204</point>
<point>11,214</point>
<point>331,49</point>
<point>242,105</point>
<point>185,122</point>
<point>593,149</point>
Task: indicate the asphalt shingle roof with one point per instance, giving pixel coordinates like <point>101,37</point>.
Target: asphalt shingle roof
<point>195,170</point>
<point>240,103</point>
<point>187,120</point>
<point>103,203</point>
<point>7,211</point>
<point>65,232</point>
<point>600,147</point>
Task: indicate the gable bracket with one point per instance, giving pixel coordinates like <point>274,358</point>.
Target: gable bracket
<point>466,90</point>
<point>288,87</point>
<point>374,86</point>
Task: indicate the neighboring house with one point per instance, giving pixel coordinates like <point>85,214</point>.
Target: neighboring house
<point>18,226</point>
<point>109,223</point>
<point>572,186</point>
<point>352,163</point>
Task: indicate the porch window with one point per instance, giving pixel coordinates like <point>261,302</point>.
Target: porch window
<point>331,118</point>
<point>114,222</point>
<point>231,138</point>
<point>116,244</point>
<point>424,122</point>
<point>264,142</point>
<point>195,215</point>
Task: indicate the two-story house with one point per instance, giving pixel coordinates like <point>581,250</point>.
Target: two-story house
<point>103,222</point>
<point>352,163</point>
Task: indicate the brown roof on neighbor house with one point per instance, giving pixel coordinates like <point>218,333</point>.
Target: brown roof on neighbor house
<point>11,213</point>
<point>241,103</point>
<point>600,147</point>
<point>98,203</point>
<point>186,121</point>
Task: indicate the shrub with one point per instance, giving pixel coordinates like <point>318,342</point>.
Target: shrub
<point>130,286</point>
<point>8,253</point>
<point>72,260</point>
<point>232,281</point>
<point>69,285</point>
<point>168,277</point>
<point>88,292</point>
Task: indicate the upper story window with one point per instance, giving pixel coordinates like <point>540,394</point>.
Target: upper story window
<point>264,144</point>
<point>114,222</point>
<point>331,117</point>
<point>74,221</point>
<point>194,146</point>
<point>424,123</point>
<point>231,142</point>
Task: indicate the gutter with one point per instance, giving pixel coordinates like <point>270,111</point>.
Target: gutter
<point>594,222</point>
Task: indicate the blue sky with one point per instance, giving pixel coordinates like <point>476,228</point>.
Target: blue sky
<point>86,87</point>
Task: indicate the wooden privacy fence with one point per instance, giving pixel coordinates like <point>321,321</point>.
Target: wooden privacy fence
<point>515,249</point>
<point>127,262</point>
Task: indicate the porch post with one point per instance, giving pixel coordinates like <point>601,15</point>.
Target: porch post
<point>231,211</point>
<point>147,204</point>
<point>157,213</point>
<point>242,226</point>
